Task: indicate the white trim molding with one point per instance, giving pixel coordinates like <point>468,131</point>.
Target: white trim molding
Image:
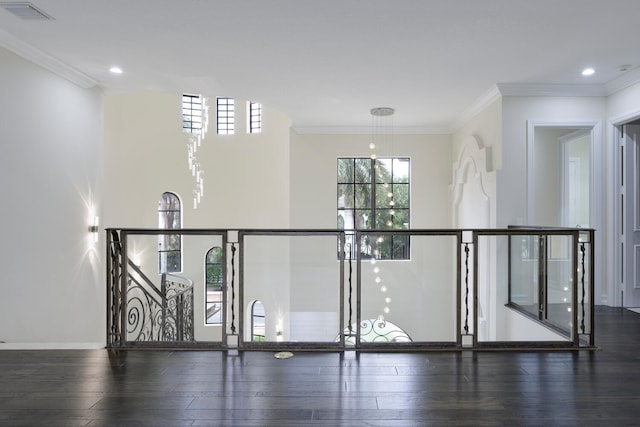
<point>51,345</point>
<point>547,89</point>
<point>45,60</point>
<point>366,130</point>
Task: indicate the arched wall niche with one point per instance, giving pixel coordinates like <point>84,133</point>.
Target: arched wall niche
<point>473,188</point>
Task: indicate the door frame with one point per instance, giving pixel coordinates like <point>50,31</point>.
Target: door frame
<point>597,187</point>
<point>618,243</point>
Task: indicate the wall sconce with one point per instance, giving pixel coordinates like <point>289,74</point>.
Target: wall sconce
<point>93,227</point>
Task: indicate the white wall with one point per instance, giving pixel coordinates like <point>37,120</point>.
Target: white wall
<point>313,176</point>
<point>246,175</point>
<point>486,127</point>
<point>53,291</point>
<point>517,111</point>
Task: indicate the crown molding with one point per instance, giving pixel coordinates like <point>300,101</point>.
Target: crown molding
<point>548,89</point>
<point>624,81</point>
<point>45,60</point>
<point>475,108</point>
<point>366,130</point>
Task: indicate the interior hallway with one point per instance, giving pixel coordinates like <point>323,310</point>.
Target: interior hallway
<point>178,388</point>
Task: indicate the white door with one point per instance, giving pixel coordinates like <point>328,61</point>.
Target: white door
<point>630,200</point>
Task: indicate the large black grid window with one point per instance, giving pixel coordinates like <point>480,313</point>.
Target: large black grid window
<point>373,194</point>
<point>169,245</point>
<point>226,116</point>
<point>191,113</point>
<point>255,117</point>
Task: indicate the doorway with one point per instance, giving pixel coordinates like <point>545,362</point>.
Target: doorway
<point>629,202</point>
<point>559,177</point>
<point>565,181</point>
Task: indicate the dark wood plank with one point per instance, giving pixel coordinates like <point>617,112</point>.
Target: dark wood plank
<point>211,388</point>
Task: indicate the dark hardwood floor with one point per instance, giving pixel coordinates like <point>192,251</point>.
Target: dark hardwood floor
<point>178,388</point>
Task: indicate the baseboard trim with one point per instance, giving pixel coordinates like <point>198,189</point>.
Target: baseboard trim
<point>51,345</point>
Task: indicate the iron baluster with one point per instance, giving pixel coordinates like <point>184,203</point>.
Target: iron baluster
<point>233,288</point>
<point>466,283</point>
<point>582,256</point>
<point>348,251</point>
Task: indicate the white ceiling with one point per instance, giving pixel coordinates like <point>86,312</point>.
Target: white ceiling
<point>327,63</point>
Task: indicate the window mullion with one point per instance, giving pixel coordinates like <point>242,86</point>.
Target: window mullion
<point>373,194</point>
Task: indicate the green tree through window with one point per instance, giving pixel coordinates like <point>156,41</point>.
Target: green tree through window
<point>373,194</point>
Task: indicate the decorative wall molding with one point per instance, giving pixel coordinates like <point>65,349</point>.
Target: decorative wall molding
<point>545,89</point>
<point>366,130</point>
<point>475,108</point>
<point>472,165</point>
<point>629,78</point>
<point>45,60</point>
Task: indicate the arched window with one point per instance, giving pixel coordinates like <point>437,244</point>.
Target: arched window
<point>169,245</point>
<point>213,280</point>
<point>257,322</point>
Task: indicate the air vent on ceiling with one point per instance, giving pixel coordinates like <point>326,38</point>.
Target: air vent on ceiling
<point>25,10</point>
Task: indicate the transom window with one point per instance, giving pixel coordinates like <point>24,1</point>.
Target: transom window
<point>373,194</point>
<point>192,113</point>
<point>255,117</point>
<point>225,115</point>
<point>169,245</point>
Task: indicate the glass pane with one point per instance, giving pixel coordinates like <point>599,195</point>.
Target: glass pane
<point>345,171</point>
<point>173,261</point>
<point>383,170</point>
<point>363,170</point>
<point>345,196</point>
<point>400,247</point>
<point>559,281</point>
<point>384,195</point>
<point>417,296</point>
<point>214,275</point>
<point>363,219</point>
<point>401,170</point>
<point>300,292</point>
<point>524,273</point>
<point>168,201</point>
<point>401,219</point>
<point>384,219</point>
<point>401,195</point>
<point>214,255</point>
<point>363,196</point>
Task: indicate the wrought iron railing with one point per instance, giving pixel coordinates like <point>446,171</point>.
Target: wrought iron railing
<point>141,312</point>
<point>483,288</point>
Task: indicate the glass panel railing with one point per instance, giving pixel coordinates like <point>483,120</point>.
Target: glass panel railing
<point>297,279</point>
<point>412,301</point>
<point>559,278</point>
<point>172,302</point>
<point>511,290</point>
<point>525,273</point>
<point>292,289</point>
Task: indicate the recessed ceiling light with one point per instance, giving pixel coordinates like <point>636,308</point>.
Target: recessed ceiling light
<point>588,71</point>
<point>116,70</point>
